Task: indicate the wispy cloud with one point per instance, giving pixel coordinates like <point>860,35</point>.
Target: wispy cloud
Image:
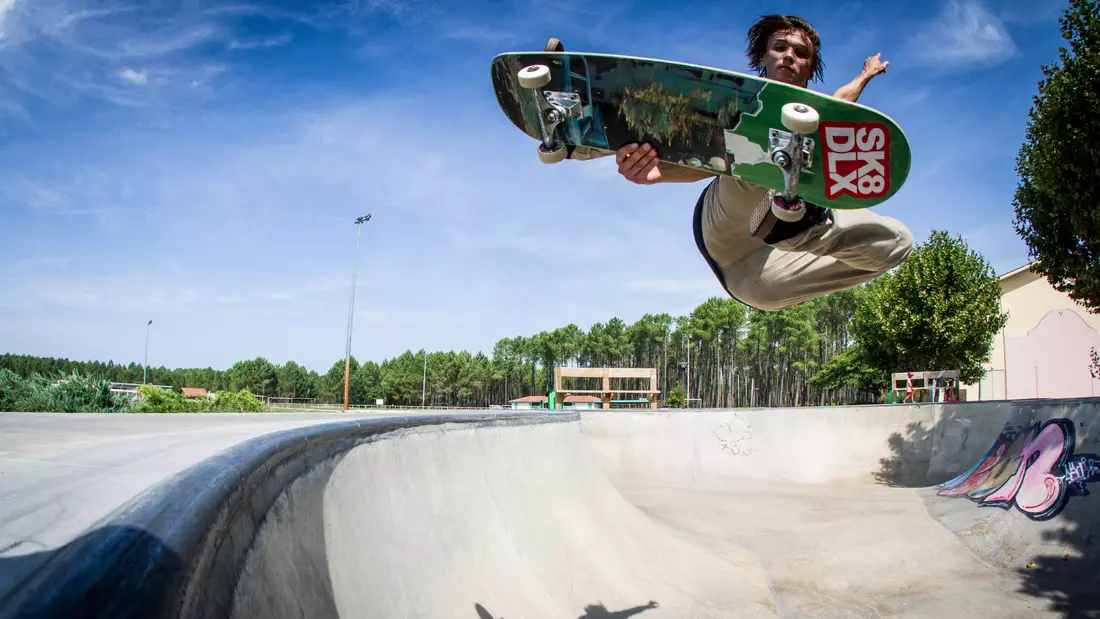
<point>964,36</point>
<point>66,54</point>
<point>480,34</point>
<point>132,75</point>
<point>51,283</point>
<point>5,8</point>
<point>262,42</point>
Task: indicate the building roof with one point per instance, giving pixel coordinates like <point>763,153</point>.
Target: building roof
<point>530,398</point>
<point>193,392</point>
<point>572,399</point>
<point>1017,271</point>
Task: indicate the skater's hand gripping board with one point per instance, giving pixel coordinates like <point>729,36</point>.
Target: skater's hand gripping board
<point>722,122</point>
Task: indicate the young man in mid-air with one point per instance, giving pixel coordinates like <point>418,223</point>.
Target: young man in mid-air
<point>764,262</point>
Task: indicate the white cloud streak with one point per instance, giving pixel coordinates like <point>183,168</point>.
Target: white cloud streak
<point>261,43</point>
<point>5,8</point>
<point>965,35</point>
<point>134,76</point>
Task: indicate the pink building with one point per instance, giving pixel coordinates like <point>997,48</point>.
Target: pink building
<point>1043,351</point>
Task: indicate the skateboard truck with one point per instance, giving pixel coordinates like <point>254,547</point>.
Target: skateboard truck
<point>793,152</point>
<point>554,108</point>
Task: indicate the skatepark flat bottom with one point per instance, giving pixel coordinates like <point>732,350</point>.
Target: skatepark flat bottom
<point>826,551</point>
<point>815,512</point>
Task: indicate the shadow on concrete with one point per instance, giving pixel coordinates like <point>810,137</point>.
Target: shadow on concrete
<point>908,466</point>
<point>1069,581</point>
<point>1070,586</point>
<point>115,571</point>
<point>592,611</point>
<point>599,611</point>
<point>287,564</point>
<point>185,560</point>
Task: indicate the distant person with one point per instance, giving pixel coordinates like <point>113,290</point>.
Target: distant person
<point>950,393</point>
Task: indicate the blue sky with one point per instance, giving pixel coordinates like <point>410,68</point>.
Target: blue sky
<point>200,165</point>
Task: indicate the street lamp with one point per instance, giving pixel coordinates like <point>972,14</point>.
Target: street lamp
<point>351,308</point>
<point>145,366</point>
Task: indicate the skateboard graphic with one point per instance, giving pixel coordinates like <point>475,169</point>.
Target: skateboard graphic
<point>807,146</point>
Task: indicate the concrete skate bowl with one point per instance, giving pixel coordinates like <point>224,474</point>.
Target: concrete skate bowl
<point>961,510</point>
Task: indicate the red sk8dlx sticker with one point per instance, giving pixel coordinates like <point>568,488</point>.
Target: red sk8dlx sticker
<point>856,159</point>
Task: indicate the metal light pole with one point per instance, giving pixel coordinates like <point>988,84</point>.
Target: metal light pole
<point>351,307</point>
<point>145,365</point>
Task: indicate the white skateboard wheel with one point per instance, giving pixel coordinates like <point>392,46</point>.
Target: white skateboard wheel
<point>534,76</point>
<point>788,214</point>
<point>552,156</point>
<point>799,118</point>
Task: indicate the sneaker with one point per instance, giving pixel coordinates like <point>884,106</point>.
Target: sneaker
<point>783,230</point>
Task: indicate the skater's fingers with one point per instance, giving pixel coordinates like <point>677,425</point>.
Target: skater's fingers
<point>644,157</point>
<point>623,153</point>
<point>649,161</point>
<point>626,167</point>
<point>648,166</point>
<point>644,172</point>
<point>625,159</point>
<point>636,168</point>
<point>633,161</point>
<point>630,164</point>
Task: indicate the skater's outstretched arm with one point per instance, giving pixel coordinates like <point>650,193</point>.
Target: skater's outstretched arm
<point>871,67</point>
<point>638,163</point>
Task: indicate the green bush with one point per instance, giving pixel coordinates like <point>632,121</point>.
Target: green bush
<point>676,397</point>
<point>159,400</point>
<point>237,402</point>
<point>74,393</point>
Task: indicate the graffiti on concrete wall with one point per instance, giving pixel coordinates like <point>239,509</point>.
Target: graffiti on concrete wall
<point>735,436</point>
<point>1033,469</point>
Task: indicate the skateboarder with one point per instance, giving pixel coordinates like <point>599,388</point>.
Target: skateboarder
<point>760,260</point>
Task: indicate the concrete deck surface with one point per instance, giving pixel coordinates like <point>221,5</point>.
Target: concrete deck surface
<point>810,512</point>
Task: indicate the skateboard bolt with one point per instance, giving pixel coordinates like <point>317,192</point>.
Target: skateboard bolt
<point>801,109</point>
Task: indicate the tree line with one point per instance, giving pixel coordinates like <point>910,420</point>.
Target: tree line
<point>937,311</point>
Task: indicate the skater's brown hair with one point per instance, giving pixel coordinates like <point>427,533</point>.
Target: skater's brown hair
<point>760,35</point>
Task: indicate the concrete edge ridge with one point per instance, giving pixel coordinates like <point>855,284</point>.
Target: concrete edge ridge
<point>151,556</point>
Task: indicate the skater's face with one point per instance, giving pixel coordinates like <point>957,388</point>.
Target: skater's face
<point>789,56</point>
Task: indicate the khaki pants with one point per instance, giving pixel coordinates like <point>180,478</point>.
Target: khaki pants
<point>855,247</point>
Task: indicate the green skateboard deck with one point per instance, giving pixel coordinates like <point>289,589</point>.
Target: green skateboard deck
<point>700,117</point>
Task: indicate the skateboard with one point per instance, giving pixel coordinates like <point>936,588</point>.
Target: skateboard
<point>806,146</point>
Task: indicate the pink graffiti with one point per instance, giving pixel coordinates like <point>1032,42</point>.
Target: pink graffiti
<point>1033,470</point>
